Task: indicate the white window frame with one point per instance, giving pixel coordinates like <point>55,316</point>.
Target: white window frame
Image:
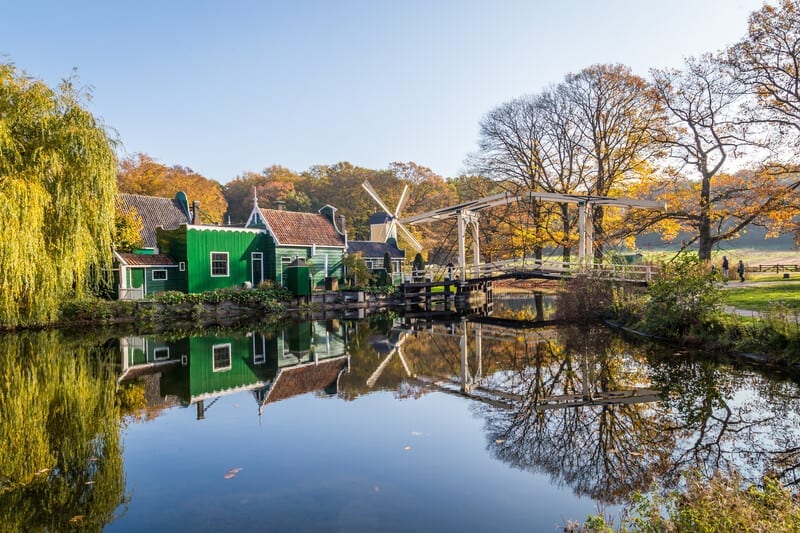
<point>160,349</point>
<point>153,274</point>
<point>227,273</point>
<point>182,266</point>
<point>259,349</point>
<point>260,257</point>
<point>214,358</point>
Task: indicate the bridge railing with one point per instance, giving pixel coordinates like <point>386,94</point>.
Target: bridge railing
<point>560,268</point>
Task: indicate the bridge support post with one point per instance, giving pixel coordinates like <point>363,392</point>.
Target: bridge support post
<point>461,246</point>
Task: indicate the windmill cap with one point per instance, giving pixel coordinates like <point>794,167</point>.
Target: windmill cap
<point>379,218</point>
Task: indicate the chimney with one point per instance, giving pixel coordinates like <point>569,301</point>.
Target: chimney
<point>280,205</point>
<point>195,212</point>
<point>342,228</point>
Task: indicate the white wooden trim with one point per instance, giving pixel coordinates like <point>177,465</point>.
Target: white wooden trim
<point>227,273</point>
<point>230,357</point>
<point>160,349</point>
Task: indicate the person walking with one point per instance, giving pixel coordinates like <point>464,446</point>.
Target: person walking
<point>740,270</point>
<point>725,266</point>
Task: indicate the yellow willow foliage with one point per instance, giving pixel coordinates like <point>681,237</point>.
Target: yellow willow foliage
<point>57,185</point>
<point>59,433</point>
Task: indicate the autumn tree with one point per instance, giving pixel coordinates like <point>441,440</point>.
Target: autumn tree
<point>767,60</point>
<point>510,151</point>
<point>141,174</point>
<point>271,185</point>
<point>618,118</point>
<point>702,102</point>
<point>128,227</point>
<point>57,167</point>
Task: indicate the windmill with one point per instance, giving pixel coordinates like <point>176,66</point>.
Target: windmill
<point>390,224</point>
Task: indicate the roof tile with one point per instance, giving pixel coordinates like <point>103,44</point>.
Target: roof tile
<point>155,212</point>
<point>146,259</point>
<point>292,227</point>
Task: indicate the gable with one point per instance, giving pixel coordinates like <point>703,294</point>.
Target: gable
<point>167,213</point>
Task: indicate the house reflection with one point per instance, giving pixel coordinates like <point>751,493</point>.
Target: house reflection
<point>274,365</point>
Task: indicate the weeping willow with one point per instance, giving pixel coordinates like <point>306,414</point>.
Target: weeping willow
<point>61,462</point>
<point>57,185</point>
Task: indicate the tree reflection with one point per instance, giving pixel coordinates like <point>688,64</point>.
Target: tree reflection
<point>726,418</point>
<point>61,465</point>
<point>605,451</point>
<point>592,411</point>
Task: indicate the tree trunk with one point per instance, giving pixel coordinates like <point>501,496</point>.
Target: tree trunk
<point>704,230</point>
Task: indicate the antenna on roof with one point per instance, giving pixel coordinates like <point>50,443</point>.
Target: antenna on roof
<point>255,197</point>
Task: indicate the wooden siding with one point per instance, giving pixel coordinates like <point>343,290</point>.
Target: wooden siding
<point>194,246</point>
<point>316,263</point>
<point>199,379</point>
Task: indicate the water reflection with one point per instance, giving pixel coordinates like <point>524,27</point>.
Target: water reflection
<point>595,413</point>
<point>61,461</point>
<point>274,365</point>
<point>582,406</point>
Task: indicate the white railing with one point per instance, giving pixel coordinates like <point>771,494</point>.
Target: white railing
<point>611,271</point>
<point>131,293</point>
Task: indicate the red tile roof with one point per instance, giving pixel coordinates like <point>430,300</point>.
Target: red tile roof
<point>291,227</point>
<point>306,378</point>
<point>145,259</point>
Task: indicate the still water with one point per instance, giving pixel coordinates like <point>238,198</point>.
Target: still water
<point>380,424</point>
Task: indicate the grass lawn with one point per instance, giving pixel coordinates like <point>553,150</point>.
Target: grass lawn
<point>762,298</point>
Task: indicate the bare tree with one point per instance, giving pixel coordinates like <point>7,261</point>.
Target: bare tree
<point>618,119</point>
<point>703,102</point>
<point>768,61</point>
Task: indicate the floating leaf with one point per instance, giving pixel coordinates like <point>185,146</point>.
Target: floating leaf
<point>230,474</point>
<point>77,518</point>
<point>499,441</point>
<point>406,448</point>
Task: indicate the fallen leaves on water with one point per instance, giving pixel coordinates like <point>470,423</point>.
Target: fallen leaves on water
<point>42,471</point>
<point>77,518</point>
<point>499,441</point>
<point>230,474</point>
<point>406,448</point>
<point>88,482</point>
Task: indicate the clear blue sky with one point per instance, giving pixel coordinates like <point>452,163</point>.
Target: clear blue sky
<point>227,87</point>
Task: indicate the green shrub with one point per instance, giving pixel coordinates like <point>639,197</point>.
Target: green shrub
<point>719,504</point>
<point>683,297</point>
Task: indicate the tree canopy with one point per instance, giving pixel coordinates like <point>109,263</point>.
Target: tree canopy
<point>141,174</point>
<point>57,168</point>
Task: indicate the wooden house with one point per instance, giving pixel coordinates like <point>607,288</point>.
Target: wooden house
<point>182,255</point>
<point>315,237</point>
<point>146,271</point>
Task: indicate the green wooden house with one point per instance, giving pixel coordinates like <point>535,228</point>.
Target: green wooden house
<point>319,238</point>
<point>215,257</point>
<point>182,255</point>
<point>146,271</point>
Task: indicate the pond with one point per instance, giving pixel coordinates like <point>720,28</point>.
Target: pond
<point>384,423</point>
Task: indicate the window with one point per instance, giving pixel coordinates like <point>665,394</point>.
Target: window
<point>161,354</point>
<point>182,266</point>
<point>159,275</point>
<point>222,357</point>
<point>219,264</point>
<point>259,349</point>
